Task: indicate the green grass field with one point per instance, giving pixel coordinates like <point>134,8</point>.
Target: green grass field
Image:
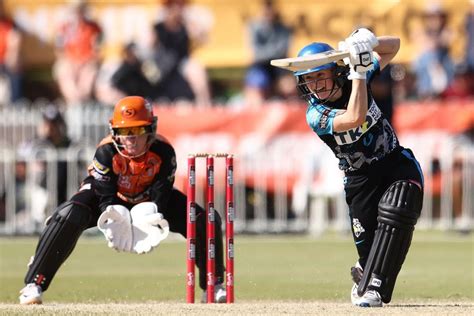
<point>439,267</point>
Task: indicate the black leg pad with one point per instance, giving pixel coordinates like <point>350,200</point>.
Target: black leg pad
<point>399,209</point>
<point>57,241</point>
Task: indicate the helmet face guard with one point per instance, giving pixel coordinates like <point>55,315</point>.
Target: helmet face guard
<point>339,75</point>
<point>331,84</point>
<point>133,118</point>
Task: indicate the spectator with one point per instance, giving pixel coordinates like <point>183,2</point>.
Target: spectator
<point>285,89</point>
<point>462,85</point>
<point>269,39</point>
<point>77,52</point>
<point>404,87</point>
<point>10,68</point>
<point>129,78</point>
<point>434,68</point>
<point>31,198</point>
<point>177,75</point>
<point>33,182</point>
<point>125,77</point>
<point>257,87</point>
<point>51,134</point>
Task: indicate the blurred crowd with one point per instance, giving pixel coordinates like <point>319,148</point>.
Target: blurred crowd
<point>167,70</point>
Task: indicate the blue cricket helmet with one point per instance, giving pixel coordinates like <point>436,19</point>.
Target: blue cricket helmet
<point>311,49</point>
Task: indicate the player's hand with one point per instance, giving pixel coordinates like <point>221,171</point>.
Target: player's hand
<point>149,227</point>
<point>364,34</point>
<point>115,224</point>
<point>360,57</point>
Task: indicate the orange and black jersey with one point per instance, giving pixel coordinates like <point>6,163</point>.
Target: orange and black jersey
<point>119,180</point>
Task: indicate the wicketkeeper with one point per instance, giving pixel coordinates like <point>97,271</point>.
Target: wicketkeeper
<point>129,195</point>
<point>383,181</point>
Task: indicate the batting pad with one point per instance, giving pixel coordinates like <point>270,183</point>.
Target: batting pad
<point>399,209</point>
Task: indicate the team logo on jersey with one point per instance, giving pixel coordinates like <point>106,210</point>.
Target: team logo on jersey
<point>98,167</point>
<point>357,227</point>
<point>353,135</point>
<point>124,182</point>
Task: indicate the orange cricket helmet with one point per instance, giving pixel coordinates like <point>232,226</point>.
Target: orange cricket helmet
<point>132,111</point>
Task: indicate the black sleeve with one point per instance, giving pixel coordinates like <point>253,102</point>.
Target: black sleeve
<point>163,184</point>
<point>105,180</point>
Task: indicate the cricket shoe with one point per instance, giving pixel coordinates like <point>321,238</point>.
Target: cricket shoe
<point>371,298</point>
<point>220,294</point>
<point>31,294</point>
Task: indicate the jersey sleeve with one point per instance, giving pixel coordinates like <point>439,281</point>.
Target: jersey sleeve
<point>373,72</point>
<point>163,183</point>
<point>105,180</point>
<point>320,119</point>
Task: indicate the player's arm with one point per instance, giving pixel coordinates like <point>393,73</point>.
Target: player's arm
<point>356,108</point>
<point>105,180</point>
<point>386,50</point>
<point>359,44</point>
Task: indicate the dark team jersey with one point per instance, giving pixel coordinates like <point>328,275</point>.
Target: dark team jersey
<point>118,179</point>
<point>358,147</point>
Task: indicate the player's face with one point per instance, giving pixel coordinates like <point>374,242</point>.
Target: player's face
<point>134,140</point>
<point>321,83</point>
<point>134,145</point>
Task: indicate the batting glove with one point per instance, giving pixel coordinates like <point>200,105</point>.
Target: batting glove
<point>149,227</point>
<point>360,57</point>
<point>115,224</point>
<point>364,34</point>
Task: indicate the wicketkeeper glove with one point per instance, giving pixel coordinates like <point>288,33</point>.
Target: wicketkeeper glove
<point>149,227</point>
<point>115,224</point>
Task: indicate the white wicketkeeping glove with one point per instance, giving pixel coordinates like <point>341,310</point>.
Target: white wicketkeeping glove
<point>149,227</point>
<point>115,224</point>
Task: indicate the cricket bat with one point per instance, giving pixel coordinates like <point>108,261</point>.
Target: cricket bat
<point>309,61</point>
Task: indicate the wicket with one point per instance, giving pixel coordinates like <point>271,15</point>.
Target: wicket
<point>210,226</point>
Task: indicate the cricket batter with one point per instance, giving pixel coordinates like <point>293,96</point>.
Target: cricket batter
<point>129,195</point>
<point>383,181</point>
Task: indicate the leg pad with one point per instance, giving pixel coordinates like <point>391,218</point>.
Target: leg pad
<point>57,241</point>
<point>399,209</point>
